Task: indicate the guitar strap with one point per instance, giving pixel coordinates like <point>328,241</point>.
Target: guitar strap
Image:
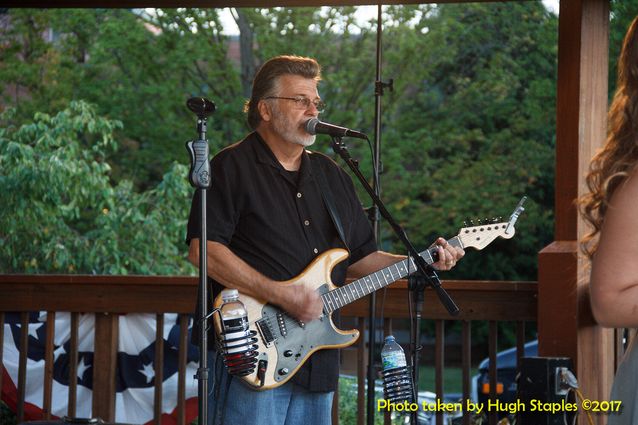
<point>328,199</point>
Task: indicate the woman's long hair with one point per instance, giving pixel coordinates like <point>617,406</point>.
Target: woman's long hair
<point>617,158</point>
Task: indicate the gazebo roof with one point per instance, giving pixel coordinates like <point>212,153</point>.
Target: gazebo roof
<point>208,3</point>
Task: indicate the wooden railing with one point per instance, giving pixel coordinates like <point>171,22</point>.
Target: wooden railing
<point>109,296</point>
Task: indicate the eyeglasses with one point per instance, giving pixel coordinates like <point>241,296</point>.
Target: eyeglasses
<point>302,102</point>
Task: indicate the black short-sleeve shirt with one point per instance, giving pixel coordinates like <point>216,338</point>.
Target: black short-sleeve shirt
<point>276,221</point>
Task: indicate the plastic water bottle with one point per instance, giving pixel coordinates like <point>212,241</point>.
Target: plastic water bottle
<point>234,316</point>
<point>397,379</point>
<point>392,354</point>
<point>236,337</point>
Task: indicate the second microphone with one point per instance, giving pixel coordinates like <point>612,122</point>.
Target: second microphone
<point>314,126</point>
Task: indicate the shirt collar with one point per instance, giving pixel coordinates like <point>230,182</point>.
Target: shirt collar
<point>266,156</point>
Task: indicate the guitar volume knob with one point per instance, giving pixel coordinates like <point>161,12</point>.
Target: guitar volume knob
<point>283,371</point>
<point>288,353</point>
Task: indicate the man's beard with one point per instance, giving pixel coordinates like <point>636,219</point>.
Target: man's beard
<point>289,131</point>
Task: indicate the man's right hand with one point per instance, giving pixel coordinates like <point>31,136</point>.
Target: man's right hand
<point>302,303</point>
<point>224,266</point>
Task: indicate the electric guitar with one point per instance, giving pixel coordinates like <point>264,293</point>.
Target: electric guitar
<point>285,343</point>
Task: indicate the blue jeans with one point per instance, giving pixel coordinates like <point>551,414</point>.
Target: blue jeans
<point>230,402</point>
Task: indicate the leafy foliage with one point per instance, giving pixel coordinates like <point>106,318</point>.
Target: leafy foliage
<point>473,130</point>
<point>348,401</point>
<point>136,69</point>
<point>96,118</point>
<point>622,13</point>
<point>61,212</point>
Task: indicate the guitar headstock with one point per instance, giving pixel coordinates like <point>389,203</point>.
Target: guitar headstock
<point>481,236</point>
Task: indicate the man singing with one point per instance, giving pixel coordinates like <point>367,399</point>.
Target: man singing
<point>267,221</point>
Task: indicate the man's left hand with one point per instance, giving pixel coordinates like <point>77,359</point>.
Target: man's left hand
<point>448,255</point>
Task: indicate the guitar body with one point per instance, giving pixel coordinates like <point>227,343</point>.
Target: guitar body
<point>284,343</point>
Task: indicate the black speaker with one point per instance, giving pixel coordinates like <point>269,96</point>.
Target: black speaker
<point>544,391</point>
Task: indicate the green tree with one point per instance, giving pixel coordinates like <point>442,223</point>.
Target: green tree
<point>343,46</point>
<point>467,130</point>
<point>622,13</point>
<point>62,214</point>
<point>138,69</point>
<point>159,61</point>
<point>31,67</point>
<point>472,129</point>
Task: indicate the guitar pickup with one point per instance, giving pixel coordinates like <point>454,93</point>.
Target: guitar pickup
<point>265,332</point>
<point>281,321</point>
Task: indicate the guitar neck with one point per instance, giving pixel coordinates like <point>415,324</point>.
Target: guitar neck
<point>342,296</point>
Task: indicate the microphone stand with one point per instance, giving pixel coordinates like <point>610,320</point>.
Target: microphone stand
<point>424,272</point>
<point>374,213</point>
<point>199,178</point>
<point>416,284</point>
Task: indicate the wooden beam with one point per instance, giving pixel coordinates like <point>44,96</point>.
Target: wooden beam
<point>212,3</point>
<point>115,294</point>
<point>478,300</point>
<point>565,323</point>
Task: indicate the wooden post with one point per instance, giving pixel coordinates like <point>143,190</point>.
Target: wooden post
<point>104,363</point>
<point>492,343</point>
<point>1,347</point>
<point>362,366</point>
<point>439,364</point>
<point>22,368</point>
<point>466,355</point>
<point>565,323</point>
<point>158,366</point>
<point>48,366</point>
<point>73,365</point>
<point>181,379</point>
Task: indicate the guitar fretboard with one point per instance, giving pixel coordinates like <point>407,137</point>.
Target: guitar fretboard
<point>359,288</point>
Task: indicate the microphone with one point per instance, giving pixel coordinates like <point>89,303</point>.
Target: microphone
<point>314,126</point>
<point>201,106</point>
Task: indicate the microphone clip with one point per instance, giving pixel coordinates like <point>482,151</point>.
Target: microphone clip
<point>199,175</point>
<point>380,85</point>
